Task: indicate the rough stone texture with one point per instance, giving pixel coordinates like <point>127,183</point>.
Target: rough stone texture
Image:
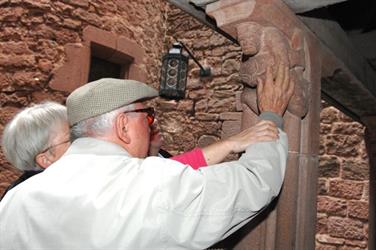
<point>342,220</point>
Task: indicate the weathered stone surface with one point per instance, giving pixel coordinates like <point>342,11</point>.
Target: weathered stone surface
<point>355,244</point>
<point>329,115</point>
<point>343,146</point>
<point>329,166</point>
<point>346,189</point>
<point>330,240</point>
<point>322,223</point>
<point>346,228</point>
<point>206,116</point>
<point>355,170</point>
<point>230,128</point>
<point>349,128</point>
<point>234,116</point>
<point>358,210</point>
<point>325,128</point>
<point>185,105</point>
<point>7,113</point>
<point>332,206</point>
<point>325,247</point>
<point>322,187</point>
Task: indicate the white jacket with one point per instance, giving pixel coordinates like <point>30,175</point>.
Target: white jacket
<point>98,197</point>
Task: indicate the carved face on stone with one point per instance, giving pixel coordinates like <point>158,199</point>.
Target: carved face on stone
<point>249,38</point>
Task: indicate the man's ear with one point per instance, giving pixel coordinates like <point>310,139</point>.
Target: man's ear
<point>121,126</point>
<point>42,160</point>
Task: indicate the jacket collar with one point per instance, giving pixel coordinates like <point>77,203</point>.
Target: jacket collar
<point>89,145</point>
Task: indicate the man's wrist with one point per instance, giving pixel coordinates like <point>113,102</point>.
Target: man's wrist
<point>271,116</point>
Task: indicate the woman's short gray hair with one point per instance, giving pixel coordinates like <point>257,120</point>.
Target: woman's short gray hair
<point>30,132</point>
<point>97,126</point>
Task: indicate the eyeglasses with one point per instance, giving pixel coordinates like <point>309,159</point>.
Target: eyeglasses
<point>53,146</point>
<point>150,114</point>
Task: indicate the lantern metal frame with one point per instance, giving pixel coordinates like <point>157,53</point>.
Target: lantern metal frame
<point>174,72</point>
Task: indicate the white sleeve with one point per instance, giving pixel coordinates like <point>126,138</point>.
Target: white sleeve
<point>204,206</point>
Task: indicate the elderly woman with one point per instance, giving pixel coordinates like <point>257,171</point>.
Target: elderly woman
<point>35,138</point>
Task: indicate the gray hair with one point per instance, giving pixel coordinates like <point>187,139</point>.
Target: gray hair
<point>97,126</point>
<point>30,132</point>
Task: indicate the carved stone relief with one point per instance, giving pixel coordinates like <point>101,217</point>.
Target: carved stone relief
<point>266,45</point>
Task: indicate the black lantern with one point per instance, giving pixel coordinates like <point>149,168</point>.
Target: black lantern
<point>174,72</point>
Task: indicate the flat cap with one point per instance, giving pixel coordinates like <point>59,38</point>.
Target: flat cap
<point>104,95</point>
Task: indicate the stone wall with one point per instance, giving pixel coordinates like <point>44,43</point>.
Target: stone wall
<point>33,35</point>
<point>342,205</point>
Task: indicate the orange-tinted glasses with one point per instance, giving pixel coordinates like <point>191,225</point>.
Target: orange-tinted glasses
<point>150,114</point>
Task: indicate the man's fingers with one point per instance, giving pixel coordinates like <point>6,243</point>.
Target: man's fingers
<point>269,76</point>
<point>287,79</point>
<point>279,80</point>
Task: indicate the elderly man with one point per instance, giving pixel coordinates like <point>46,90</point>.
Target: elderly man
<point>103,194</point>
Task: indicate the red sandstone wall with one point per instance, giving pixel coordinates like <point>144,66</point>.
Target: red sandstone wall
<point>32,39</point>
<point>342,206</point>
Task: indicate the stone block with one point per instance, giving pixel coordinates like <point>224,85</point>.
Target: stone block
<point>201,106</point>
<point>325,129</point>
<point>355,244</point>
<point>349,128</point>
<point>343,145</point>
<point>198,94</point>
<point>71,23</point>
<point>206,116</point>
<point>185,105</point>
<point>18,48</point>
<point>232,116</point>
<point>230,128</point>
<point>45,65</point>
<point>332,206</point>
<point>329,115</point>
<point>326,239</point>
<point>329,166</point>
<point>358,210</point>
<point>7,113</point>
<point>78,3</point>
<point>18,61</point>
<point>230,66</point>
<point>322,223</point>
<point>346,228</point>
<point>322,187</point>
<point>346,189</point>
<point>355,170</point>
<point>167,105</point>
<point>325,247</point>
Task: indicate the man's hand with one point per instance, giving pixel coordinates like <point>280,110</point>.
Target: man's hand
<point>274,96</point>
<point>263,131</point>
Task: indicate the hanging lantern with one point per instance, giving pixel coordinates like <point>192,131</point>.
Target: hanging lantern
<point>174,73</point>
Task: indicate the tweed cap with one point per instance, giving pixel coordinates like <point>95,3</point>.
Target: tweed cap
<point>104,95</point>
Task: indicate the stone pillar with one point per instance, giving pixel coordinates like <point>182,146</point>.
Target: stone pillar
<point>269,33</point>
<point>370,139</point>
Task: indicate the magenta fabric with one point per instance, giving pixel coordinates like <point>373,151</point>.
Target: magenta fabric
<point>194,158</point>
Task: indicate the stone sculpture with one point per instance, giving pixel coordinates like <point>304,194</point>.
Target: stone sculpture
<point>266,45</point>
